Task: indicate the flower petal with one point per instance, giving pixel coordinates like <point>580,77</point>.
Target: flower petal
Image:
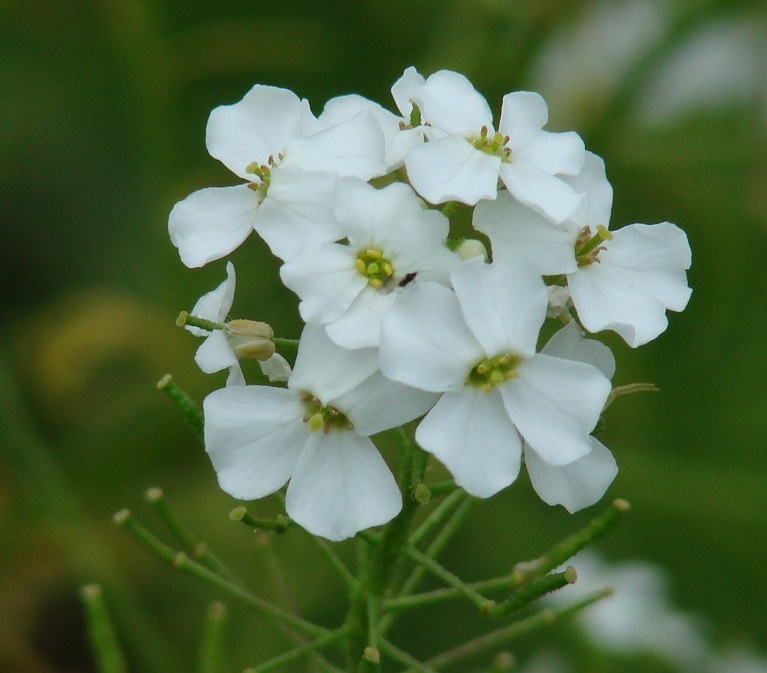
<point>554,152</point>
<point>523,115</point>
<point>576,485</point>
<point>254,436</point>
<point>425,342</point>
<point>546,193</point>
<point>360,324</point>
<point>378,404</point>
<point>260,125</point>
<point>555,404</point>
<point>341,486</point>
<point>297,210</point>
<point>407,89</point>
<point>450,102</point>
<point>215,353</point>
<point>597,193</point>
<point>568,343</point>
<point>325,278</point>
<point>210,223</point>
<point>471,434</point>
<point>215,304</point>
<point>327,370</point>
<point>276,368</point>
<point>452,169</point>
<point>516,230</point>
<point>504,304</point>
<point>354,147</point>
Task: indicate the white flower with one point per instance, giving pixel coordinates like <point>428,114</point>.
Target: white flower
<point>622,280</point>
<point>477,347</point>
<point>222,348</point>
<point>465,156</point>
<point>584,481</point>
<point>316,434</point>
<point>290,162</point>
<point>391,243</point>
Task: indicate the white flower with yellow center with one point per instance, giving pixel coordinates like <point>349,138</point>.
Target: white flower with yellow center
<point>390,243</point>
<point>314,433</point>
<point>466,156</point>
<point>290,163</point>
<point>476,346</point>
<point>622,280</point>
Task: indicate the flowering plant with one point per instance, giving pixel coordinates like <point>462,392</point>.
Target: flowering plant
<point>414,320</point>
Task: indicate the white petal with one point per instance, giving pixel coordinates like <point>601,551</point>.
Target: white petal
<point>276,368</point>
<point>341,486</point>
<point>638,277</point>
<point>597,193</point>
<point>215,353</point>
<point>327,370</point>
<point>397,141</point>
<point>215,304</point>
<point>523,115</point>
<point>555,404</point>
<point>515,229</point>
<point>378,404</point>
<point>471,434</point>
<point>504,304</point>
<point>297,210</point>
<point>576,485</point>
<point>325,278</point>
<point>210,223</point>
<point>352,148</point>
<point>452,104</point>
<point>260,125</point>
<point>425,342</point>
<point>452,169</point>
<point>406,89</point>
<point>360,324</point>
<point>568,343</point>
<point>254,436</point>
<point>235,377</point>
<point>545,193</point>
<point>554,152</point>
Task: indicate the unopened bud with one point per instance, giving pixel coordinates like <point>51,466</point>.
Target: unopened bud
<point>251,328</point>
<point>253,349</point>
<point>471,247</point>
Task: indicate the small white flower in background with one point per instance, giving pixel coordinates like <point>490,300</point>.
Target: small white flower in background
<point>223,349</point>
<point>622,280</point>
<point>476,346</point>
<point>465,156</point>
<point>391,242</point>
<point>290,162</point>
<point>314,433</point>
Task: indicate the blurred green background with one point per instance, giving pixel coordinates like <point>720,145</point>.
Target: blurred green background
<point>103,108</point>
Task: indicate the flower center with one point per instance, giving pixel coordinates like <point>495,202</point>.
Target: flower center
<point>374,266</point>
<point>263,173</point>
<point>493,371</point>
<point>587,247</point>
<point>494,145</point>
<point>323,417</point>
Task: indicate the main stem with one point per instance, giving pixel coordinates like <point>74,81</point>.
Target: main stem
<point>384,554</point>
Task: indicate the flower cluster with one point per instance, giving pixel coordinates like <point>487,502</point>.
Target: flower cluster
<point>404,319</point>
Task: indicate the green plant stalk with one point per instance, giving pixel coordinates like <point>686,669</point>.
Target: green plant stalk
<point>211,657</point>
<point>565,550</point>
<point>196,549</point>
<point>281,660</point>
<point>189,409</point>
<point>531,591</point>
<point>496,638</point>
<point>279,524</point>
<point>101,633</point>
<point>404,658</point>
<point>182,562</point>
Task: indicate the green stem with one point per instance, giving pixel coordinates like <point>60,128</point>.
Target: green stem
<point>569,547</point>
<point>279,524</point>
<point>404,658</point>
<point>182,562</point>
<point>104,644</point>
<point>532,591</point>
<point>189,409</point>
<point>197,549</point>
<point>346,577</point>
<point>211,658</point>
<point>186,319</point>
<point>494,639</point>
<point>281,660</point>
